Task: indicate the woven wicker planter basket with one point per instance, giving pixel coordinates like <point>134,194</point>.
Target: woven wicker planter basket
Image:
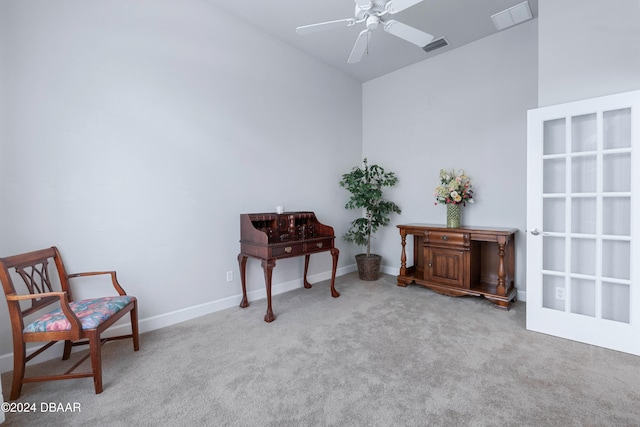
<point>368,266</point>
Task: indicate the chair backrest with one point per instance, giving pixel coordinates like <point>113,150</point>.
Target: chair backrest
<point>33,268</point>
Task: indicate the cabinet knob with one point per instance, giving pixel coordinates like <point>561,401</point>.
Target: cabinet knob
<point>430,265</point>
<point>445,237</point>
<point>288,249</point>
<point>319,245</point>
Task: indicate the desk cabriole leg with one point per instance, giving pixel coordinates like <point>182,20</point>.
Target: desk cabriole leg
<point>306,268</point>
<point>242,262</point>
<point>267,266</point>
<point>334,254</point>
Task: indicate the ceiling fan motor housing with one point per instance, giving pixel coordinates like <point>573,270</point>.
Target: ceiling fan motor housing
<point>376,8</point>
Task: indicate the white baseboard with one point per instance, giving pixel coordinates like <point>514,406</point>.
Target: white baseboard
<point>182,315</point>
<point>522,296</point>
<point>392,271</point>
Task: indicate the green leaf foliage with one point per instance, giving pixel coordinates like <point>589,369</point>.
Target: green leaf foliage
<point>366,185</point>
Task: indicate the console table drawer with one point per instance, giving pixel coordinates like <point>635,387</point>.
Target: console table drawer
<point>288,250</point>
<point>447,238</point>
<point>321,245</point>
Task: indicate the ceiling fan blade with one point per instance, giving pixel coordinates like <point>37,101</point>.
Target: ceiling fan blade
<point>395,6</point>
<point>410,34</point>
<point>314,28</point>
<point>359,47</point>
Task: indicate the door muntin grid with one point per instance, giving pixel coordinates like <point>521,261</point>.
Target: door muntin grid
<point>587,214</point>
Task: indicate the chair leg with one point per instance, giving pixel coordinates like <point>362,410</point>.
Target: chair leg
<point>96,360</point>
<point>67,350</point>
<point>134,326</point>
<point>19,354</point>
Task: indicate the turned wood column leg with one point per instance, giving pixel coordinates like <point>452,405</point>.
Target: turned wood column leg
<point>334,254</point>
<point>403,259</point>
<point>242,262</point>
<point>502,273</point>
<point>267,266</point>
<point>403,255</point>
<point>306,268</point>
<point>501,288</point>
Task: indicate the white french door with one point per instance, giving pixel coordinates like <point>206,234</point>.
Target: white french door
<point>583,221</point>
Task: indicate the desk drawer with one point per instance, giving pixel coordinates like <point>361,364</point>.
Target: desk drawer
<point>318,245</point>
<point>447,238</point>
<point>287,250</point>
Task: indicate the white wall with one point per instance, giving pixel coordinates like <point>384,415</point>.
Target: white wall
<point>466,109</point>
<point>588,48</point>
<point>138,131</point>
<point>3,64</point>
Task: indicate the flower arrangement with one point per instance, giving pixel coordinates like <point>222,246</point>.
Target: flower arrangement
<point>454,188</point>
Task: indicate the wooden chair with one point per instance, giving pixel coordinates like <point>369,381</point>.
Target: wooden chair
<point>75,322</point>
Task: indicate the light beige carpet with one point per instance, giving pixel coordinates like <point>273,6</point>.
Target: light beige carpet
<point>379,355</point>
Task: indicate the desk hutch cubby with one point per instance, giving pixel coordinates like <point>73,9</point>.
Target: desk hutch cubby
<point>474,261</point>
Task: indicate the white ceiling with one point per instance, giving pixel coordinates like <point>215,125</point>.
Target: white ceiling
<point>459,21</point>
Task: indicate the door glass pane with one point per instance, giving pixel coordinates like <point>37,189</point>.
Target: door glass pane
<point>615,302</point>
<point>554,137</point>
<point>553,176</point>
<point>583,215</point>
<point>617,128</point>
<point>553,291</point>
<point>583,174</point>
<point>553,215</point>
<point>617,172</point>
<point>583,133</point>
<point>616,261</point>
<point>553,250</point>
<point>583,297</point>
<point>616,213</point>
<point>583,256</point>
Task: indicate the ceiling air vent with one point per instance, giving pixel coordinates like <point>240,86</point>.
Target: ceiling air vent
<point>436,44</point>
<point>512,16</point>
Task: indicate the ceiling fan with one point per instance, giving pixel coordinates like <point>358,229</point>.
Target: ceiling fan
<point>374,13</point>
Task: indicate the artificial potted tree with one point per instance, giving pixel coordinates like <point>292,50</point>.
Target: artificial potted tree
<point>366,185</point>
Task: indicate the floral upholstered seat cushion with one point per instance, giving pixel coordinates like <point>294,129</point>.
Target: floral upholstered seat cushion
<point>91,312</point>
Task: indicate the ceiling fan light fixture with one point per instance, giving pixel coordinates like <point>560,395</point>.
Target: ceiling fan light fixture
<point>372,22</point>
<point>512,16</point>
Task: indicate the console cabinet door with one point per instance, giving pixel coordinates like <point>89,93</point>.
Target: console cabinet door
<point>447,267</point>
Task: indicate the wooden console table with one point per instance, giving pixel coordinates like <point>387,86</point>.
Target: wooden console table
<point>272,236</point>
<point>473,261</point>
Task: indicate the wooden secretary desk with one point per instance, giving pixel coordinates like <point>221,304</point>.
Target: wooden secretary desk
<point>475,261</point>
<point>272,236</point>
